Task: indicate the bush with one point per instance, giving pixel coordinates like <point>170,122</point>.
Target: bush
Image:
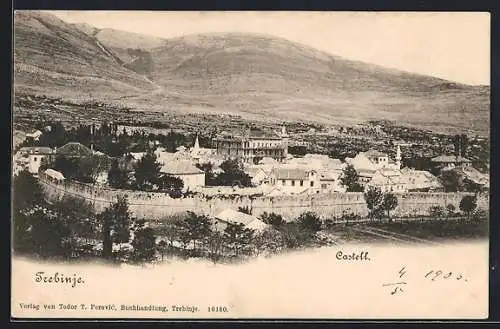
<point>437,212</point>
<point>309,221</point>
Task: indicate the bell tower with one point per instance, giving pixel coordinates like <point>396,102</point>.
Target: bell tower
<point>398,157</point>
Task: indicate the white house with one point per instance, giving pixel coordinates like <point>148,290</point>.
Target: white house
<point>295,180</point>
<point>375,160</point>
<point>191,176</point>
<point>30,158</point>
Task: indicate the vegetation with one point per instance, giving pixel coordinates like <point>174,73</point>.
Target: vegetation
<point>389,203</point>
<point>350,179</point>
<point>468,204</point>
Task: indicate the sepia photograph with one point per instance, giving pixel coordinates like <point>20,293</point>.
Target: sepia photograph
<point>248,165</point>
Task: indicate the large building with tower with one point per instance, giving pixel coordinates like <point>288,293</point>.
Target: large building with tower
<point>250,147</point>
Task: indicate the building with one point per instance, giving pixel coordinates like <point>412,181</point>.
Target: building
<point>191,176</point>
<point>236,217</point>
<point>31,158</point>
<point>199,154</point>
<point>34,135</point>
<point>450,161</point>
<point>295,180</point>
<point>420,181</point>
<point>375,160</point>
<point>251,147</point>
<point>388,181</point>
<point>404,181</point>
<point>54,175</point>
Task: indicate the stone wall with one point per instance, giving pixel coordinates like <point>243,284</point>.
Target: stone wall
<point>158,205</point>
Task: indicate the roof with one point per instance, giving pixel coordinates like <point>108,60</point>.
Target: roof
<point>374,154</point>
<point>450,158</point>
<point>291,173</point>
<point>54,174</point>
<point>74,149</point>
<point>36,150</point>
<point>180,168</point>
<point>233,216</point>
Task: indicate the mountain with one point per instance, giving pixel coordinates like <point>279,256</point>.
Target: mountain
<point>53,57</point>
<point>258,76</point>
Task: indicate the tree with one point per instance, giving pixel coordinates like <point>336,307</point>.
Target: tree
<point>116,225</point>
<point>373,198</point>
<point>46,234</point>
<point>195,228</point>
<point>209,173</point>
<point>147,172</point>
<point>309,221</point>
<point>272,219</point>
<point>215,244</point>
<point>79,216</point>
<point>463,144</point>
<point>238,237</point>
<point>67,166</point>
<point>389,203</point>
<point>270,240</point>
<point>468,204</point>
<point>452,181</point>
<point>144,243</point>
<point>350,179</point>
<point>117,177</point>
<point>27,191</point>
<point>172,185</point>
<point>233,174</point>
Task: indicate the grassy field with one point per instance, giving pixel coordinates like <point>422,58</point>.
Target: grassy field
<point>412,231</point>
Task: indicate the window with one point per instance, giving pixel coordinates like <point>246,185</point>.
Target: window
<point>293,183</point>
<point>312,184</point>
<point>301,183</point>
<point>323,186</point>
<point>283,182</point>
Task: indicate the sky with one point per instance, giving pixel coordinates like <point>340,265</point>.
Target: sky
<point>452,46</point>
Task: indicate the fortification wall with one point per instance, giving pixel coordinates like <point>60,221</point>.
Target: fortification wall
<point>155,206</point>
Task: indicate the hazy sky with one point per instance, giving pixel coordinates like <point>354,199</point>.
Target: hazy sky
<point>454,46</point>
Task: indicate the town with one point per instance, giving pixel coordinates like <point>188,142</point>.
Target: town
<point>124,192</point>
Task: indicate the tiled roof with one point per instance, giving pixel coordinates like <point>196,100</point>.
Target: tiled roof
<point>374,154</point>
<point>290,173</point>
<point>180,168</point>
<point>36,150</point>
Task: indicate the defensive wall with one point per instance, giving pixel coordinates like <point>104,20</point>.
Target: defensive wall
<point>154,205</point>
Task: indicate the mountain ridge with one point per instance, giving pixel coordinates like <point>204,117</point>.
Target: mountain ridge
<point>250,74</point>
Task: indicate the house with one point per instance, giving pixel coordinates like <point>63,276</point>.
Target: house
<point>375,160</point>
<point>232,216</point>
<point>191,176</point>
<point>420,181</point>
<point>30,158</point>
<point>294,180</point>
<point>388,181</point>
<point>34,135</point>
<point>450,161</point>
<point>54,175</point>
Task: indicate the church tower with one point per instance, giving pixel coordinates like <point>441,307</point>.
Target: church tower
<point>398,157</point>
<point>196,143</point>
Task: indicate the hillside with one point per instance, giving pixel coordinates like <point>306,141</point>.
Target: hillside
<point>53,57</point>
<point>253,75</point>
